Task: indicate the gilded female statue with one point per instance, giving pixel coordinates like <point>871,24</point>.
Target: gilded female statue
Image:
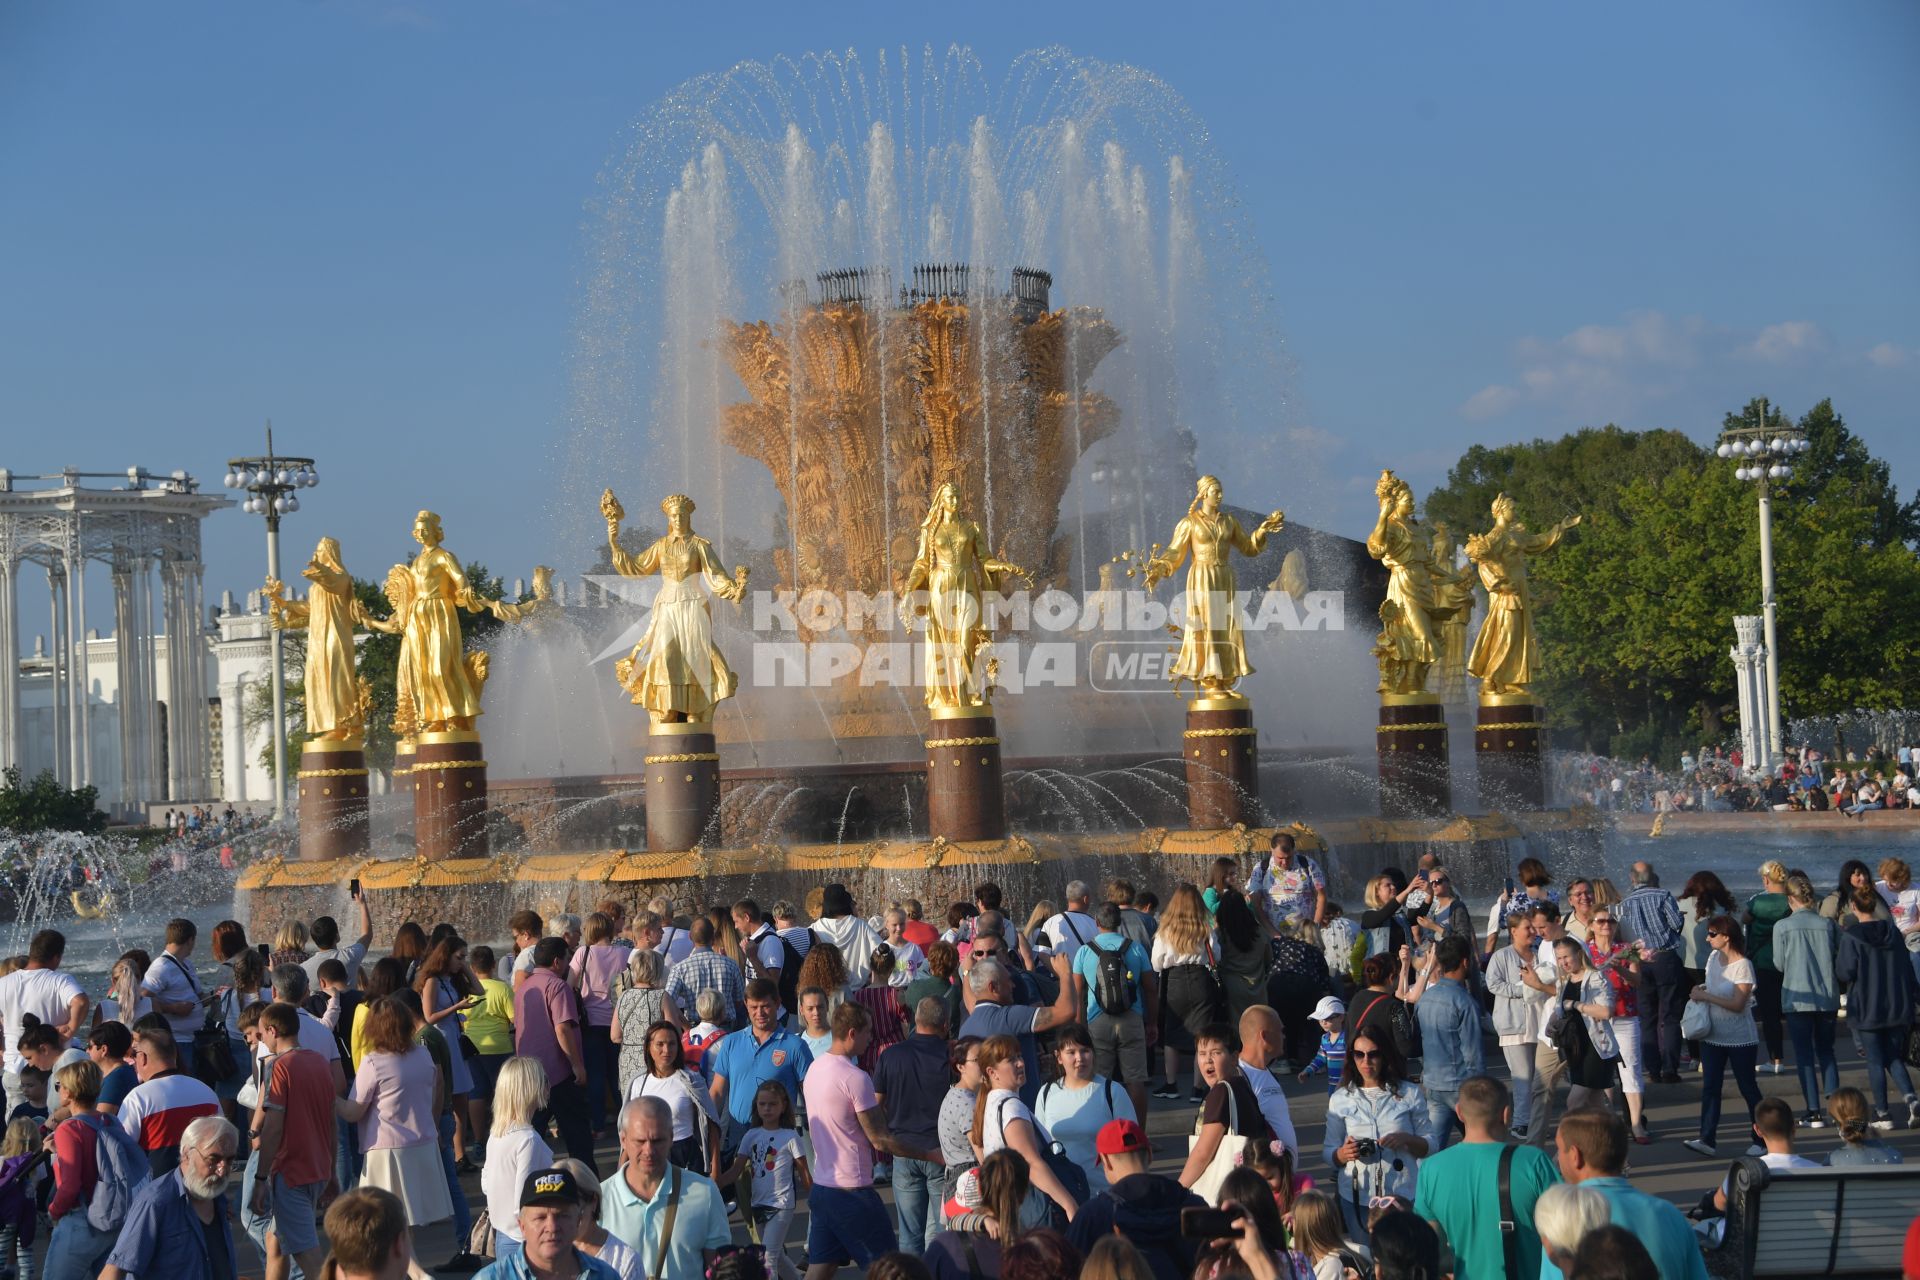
<point>1213,652</point>
<point>953,567</point>
<point>1399,542</point>
<point>1453,603</point>
<point>1506,658</point>
<point>675,672</point>
<point>335,711</point>
<point>446,682</point>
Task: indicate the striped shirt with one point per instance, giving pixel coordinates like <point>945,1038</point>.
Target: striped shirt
<point>157,1112</point>
<point>705,969</point>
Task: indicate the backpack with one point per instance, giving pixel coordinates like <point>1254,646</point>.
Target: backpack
<point>123,1170</point>
<point>790,962</point>
<point>1113,986</point>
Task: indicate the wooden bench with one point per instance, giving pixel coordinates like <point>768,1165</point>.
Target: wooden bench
<point>1850,1221</point>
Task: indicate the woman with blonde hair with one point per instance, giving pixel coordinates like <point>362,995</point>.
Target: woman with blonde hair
<point>1848,1107</point>
<point>515,1149</point>
<point>1563,1215</point>
<point>1186,952</point>
<point>1321,1236</point>
<point>1764,910</point>
<point>1042,912</point>
<point>289,945</point>
<point>641,1005</point>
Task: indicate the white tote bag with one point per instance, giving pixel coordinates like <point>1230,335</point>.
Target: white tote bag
<point>1228,1156</point>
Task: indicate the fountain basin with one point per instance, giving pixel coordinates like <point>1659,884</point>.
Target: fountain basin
<point>481,893</point>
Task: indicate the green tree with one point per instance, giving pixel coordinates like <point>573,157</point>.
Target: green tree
<point>43,804</point>
<point>1636,607</point>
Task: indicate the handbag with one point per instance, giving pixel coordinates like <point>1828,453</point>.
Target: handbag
<point>212,1048</point>
<point>480,1239</point>
<point>1696,1020</point>
<point>1229,1155</point>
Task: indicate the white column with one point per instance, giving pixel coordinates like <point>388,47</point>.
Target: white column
<point>198,656</point>
<point>124,662</point>
<point>57,642</point>
<point>179,696</point>
<point>1750,674</point>
<point>82,663</point>
<point>233,738</point>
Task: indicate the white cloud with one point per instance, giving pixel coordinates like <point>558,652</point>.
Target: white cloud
<point>1489,402</point>
<point>1889,356</point>
<point>1778,343</point>
<point>1645,363</point>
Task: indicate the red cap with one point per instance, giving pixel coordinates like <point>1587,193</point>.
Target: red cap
<point>1117,1137</point>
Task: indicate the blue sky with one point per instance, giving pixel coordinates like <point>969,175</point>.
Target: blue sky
<point>1481,222</point>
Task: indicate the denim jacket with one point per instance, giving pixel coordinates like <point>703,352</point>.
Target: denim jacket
<point>1450,1034</point>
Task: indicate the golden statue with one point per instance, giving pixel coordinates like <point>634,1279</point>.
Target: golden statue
<point>1506,658</point>
<point>399,592</point>
<point>675,672</point>
<point>335,701</point>
<point>1399,542</point>
<point>438,680</point>
<point>1393,648</point>
<point>1213,653</point>
<point>538,613</point>
<point>1453,606</point>
<point>953,567</point>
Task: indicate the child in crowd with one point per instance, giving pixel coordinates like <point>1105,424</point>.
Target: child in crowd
<point>332,975</point>
<point>1331,1014</point>
<point>23,1174</point>
<point>33,1107</point>
<point>705,1034</point>
<point>1274,1162</point>
<point>772,1159</point>
<point>813,1021</point>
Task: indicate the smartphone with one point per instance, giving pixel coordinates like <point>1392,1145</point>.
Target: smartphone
<point>353,888</point>
<point>1209,1224</point>
<point>1509,886</point>
<point>265,951</point>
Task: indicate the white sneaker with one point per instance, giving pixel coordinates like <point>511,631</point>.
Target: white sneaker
<point>1700,1146</point>
<point>1881,1120</point>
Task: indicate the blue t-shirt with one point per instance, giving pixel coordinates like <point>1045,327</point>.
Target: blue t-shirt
<point>1658,1225</point>
<point>989,1020</point>
<point>1073,1117</point>
<point>747,1063</point>
<point>118,1083</point>
<point>1086,965</point>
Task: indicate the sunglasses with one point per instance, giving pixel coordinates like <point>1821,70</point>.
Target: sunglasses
<point>1712,934</point>
<point>1366,1053</point>
<point>1598,920</point>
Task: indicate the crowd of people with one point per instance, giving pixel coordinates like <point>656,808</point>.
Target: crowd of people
<point>747,1064</point>
<point>1716,780</point>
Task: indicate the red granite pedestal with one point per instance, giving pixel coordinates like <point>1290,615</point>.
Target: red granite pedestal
<point>965,796</point>
<point>332,789</point>
<point>1507,742</point>
<point>1223,763</point>
<point>449,777</point>
<point>683,785</point>
<point>1412,747</point>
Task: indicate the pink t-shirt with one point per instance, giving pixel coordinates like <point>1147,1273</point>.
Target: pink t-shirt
<point>541,1003</point>
<point>837,1091</point>
<point>602,962</point>
<point>399,1090</point>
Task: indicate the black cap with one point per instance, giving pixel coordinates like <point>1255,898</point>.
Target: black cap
<point>835,901</point>
<point>550,1186</point>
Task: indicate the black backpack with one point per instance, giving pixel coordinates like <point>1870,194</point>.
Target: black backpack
<point>1113,986</point>
<point>790,962</point>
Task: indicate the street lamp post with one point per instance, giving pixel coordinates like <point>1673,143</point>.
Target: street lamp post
<point>1765,456</point>
<point>270,480</point>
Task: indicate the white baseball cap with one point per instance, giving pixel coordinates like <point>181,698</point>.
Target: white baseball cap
<point>1329,1007</point>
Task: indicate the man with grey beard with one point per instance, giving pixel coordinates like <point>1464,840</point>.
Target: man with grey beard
<point>178,1225</point>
